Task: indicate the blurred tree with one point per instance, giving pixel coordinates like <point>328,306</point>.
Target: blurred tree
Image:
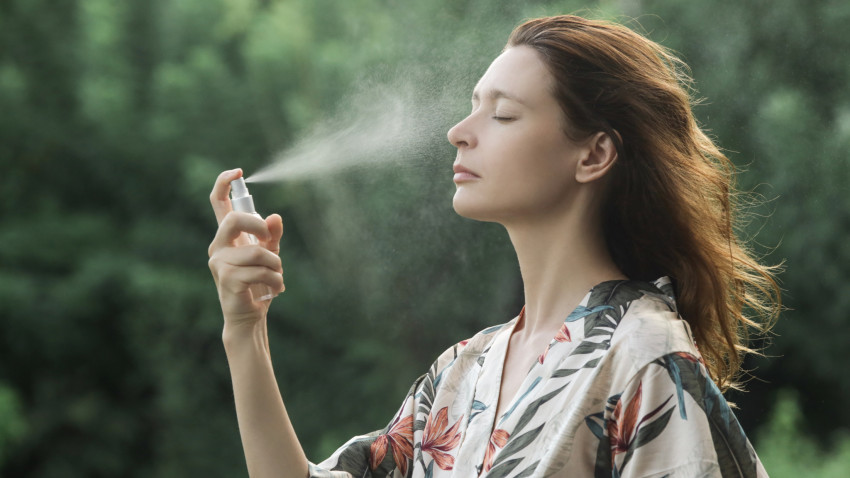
<point>115,118</point>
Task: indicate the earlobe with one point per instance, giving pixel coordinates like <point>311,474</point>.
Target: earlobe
<point>599,156</point>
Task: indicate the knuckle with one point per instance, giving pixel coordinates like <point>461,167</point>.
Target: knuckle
<point>229,222</point>
<point>257,254</point>
<point>275,279</point>
<point>218,268</point>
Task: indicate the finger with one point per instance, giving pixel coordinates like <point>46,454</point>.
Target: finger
<point>232,227</point>
<point>275,225</point>
<point>239,279</point>
<point>249,256</point>
<point>220,195</point>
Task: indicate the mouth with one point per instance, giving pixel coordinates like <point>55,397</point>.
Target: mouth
<point>463,174</point>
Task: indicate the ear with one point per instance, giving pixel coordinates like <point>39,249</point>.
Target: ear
<point>599,156</point>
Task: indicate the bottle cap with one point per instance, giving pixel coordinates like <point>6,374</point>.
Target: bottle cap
<point>239,197</point>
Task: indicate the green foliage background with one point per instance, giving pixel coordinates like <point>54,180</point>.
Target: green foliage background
<point>116,117</point>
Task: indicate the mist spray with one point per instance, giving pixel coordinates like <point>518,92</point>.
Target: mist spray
<point>243,202</point>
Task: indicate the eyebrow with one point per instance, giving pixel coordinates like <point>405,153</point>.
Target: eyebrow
<point>496,94</point>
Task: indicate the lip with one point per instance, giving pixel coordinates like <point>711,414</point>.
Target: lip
<point>463,174</point>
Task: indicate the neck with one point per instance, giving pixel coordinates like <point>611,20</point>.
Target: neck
<point>560,259</point>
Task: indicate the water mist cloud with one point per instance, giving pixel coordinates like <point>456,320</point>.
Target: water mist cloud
<point>384,125</point>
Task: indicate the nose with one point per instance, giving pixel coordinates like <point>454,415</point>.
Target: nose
<point>460,134</point>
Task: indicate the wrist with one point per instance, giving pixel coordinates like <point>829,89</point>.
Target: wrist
<point>243,335</point>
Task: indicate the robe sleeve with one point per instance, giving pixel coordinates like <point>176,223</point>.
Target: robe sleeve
<point>671,420</point>
<point>389,452</point>
<point>383,453</point>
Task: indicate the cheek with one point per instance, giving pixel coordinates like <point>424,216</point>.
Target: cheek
<point>539,159</point>
<point>524,174</point>
<point>540,173</point>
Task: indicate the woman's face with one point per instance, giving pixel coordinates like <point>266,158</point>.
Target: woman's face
<point>520,164</point>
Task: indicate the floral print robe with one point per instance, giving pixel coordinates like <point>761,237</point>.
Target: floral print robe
<point>621,391</point>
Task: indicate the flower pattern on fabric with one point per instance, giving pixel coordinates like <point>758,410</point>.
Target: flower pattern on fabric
<point>439,442</point>
<point>400,439</point>
<point>497,440</point>
<point>623,392</point>
<point>626,429</point>
<point>563,335</point>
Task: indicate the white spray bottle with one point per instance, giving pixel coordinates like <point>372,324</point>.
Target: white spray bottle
<point>243,202</point>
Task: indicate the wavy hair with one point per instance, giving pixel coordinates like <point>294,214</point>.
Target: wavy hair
<point>672,204</point>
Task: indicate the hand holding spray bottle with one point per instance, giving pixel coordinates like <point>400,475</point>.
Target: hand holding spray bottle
<point>243,202</point>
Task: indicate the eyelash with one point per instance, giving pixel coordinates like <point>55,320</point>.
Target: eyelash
<point>503,118</point>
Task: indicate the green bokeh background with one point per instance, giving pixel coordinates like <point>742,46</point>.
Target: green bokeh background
<point>116,117</point>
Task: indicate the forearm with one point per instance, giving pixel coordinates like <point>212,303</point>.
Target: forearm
<point>268,438</point>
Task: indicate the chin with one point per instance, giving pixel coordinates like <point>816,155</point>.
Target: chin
<point>462,206</point>
<point>472,209</point>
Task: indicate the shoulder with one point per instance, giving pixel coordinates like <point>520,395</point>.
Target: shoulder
<point>651,327</point>
<point>681,422</point>
<point>659,382</point>
<point>471,348</point>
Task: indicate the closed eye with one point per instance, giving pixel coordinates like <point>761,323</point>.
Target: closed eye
<point>503,118</point>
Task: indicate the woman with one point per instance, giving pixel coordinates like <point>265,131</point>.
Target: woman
<point>582,144</point>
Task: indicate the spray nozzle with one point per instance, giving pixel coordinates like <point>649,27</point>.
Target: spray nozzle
<point>239,196</point>
<point>239,188</point>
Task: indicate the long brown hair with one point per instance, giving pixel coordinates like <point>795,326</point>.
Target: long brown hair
<point>671,207</point>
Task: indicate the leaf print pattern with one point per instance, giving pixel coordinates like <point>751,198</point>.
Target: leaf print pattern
<point>622,391</point>
<point>400,439</point>
<point>477,408</point>
<point>517,445</point>
<point>582,312</point>
<point>691,357</point>
<point>497,440</point>
<point>735,456</point>
<point>438,441</point>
